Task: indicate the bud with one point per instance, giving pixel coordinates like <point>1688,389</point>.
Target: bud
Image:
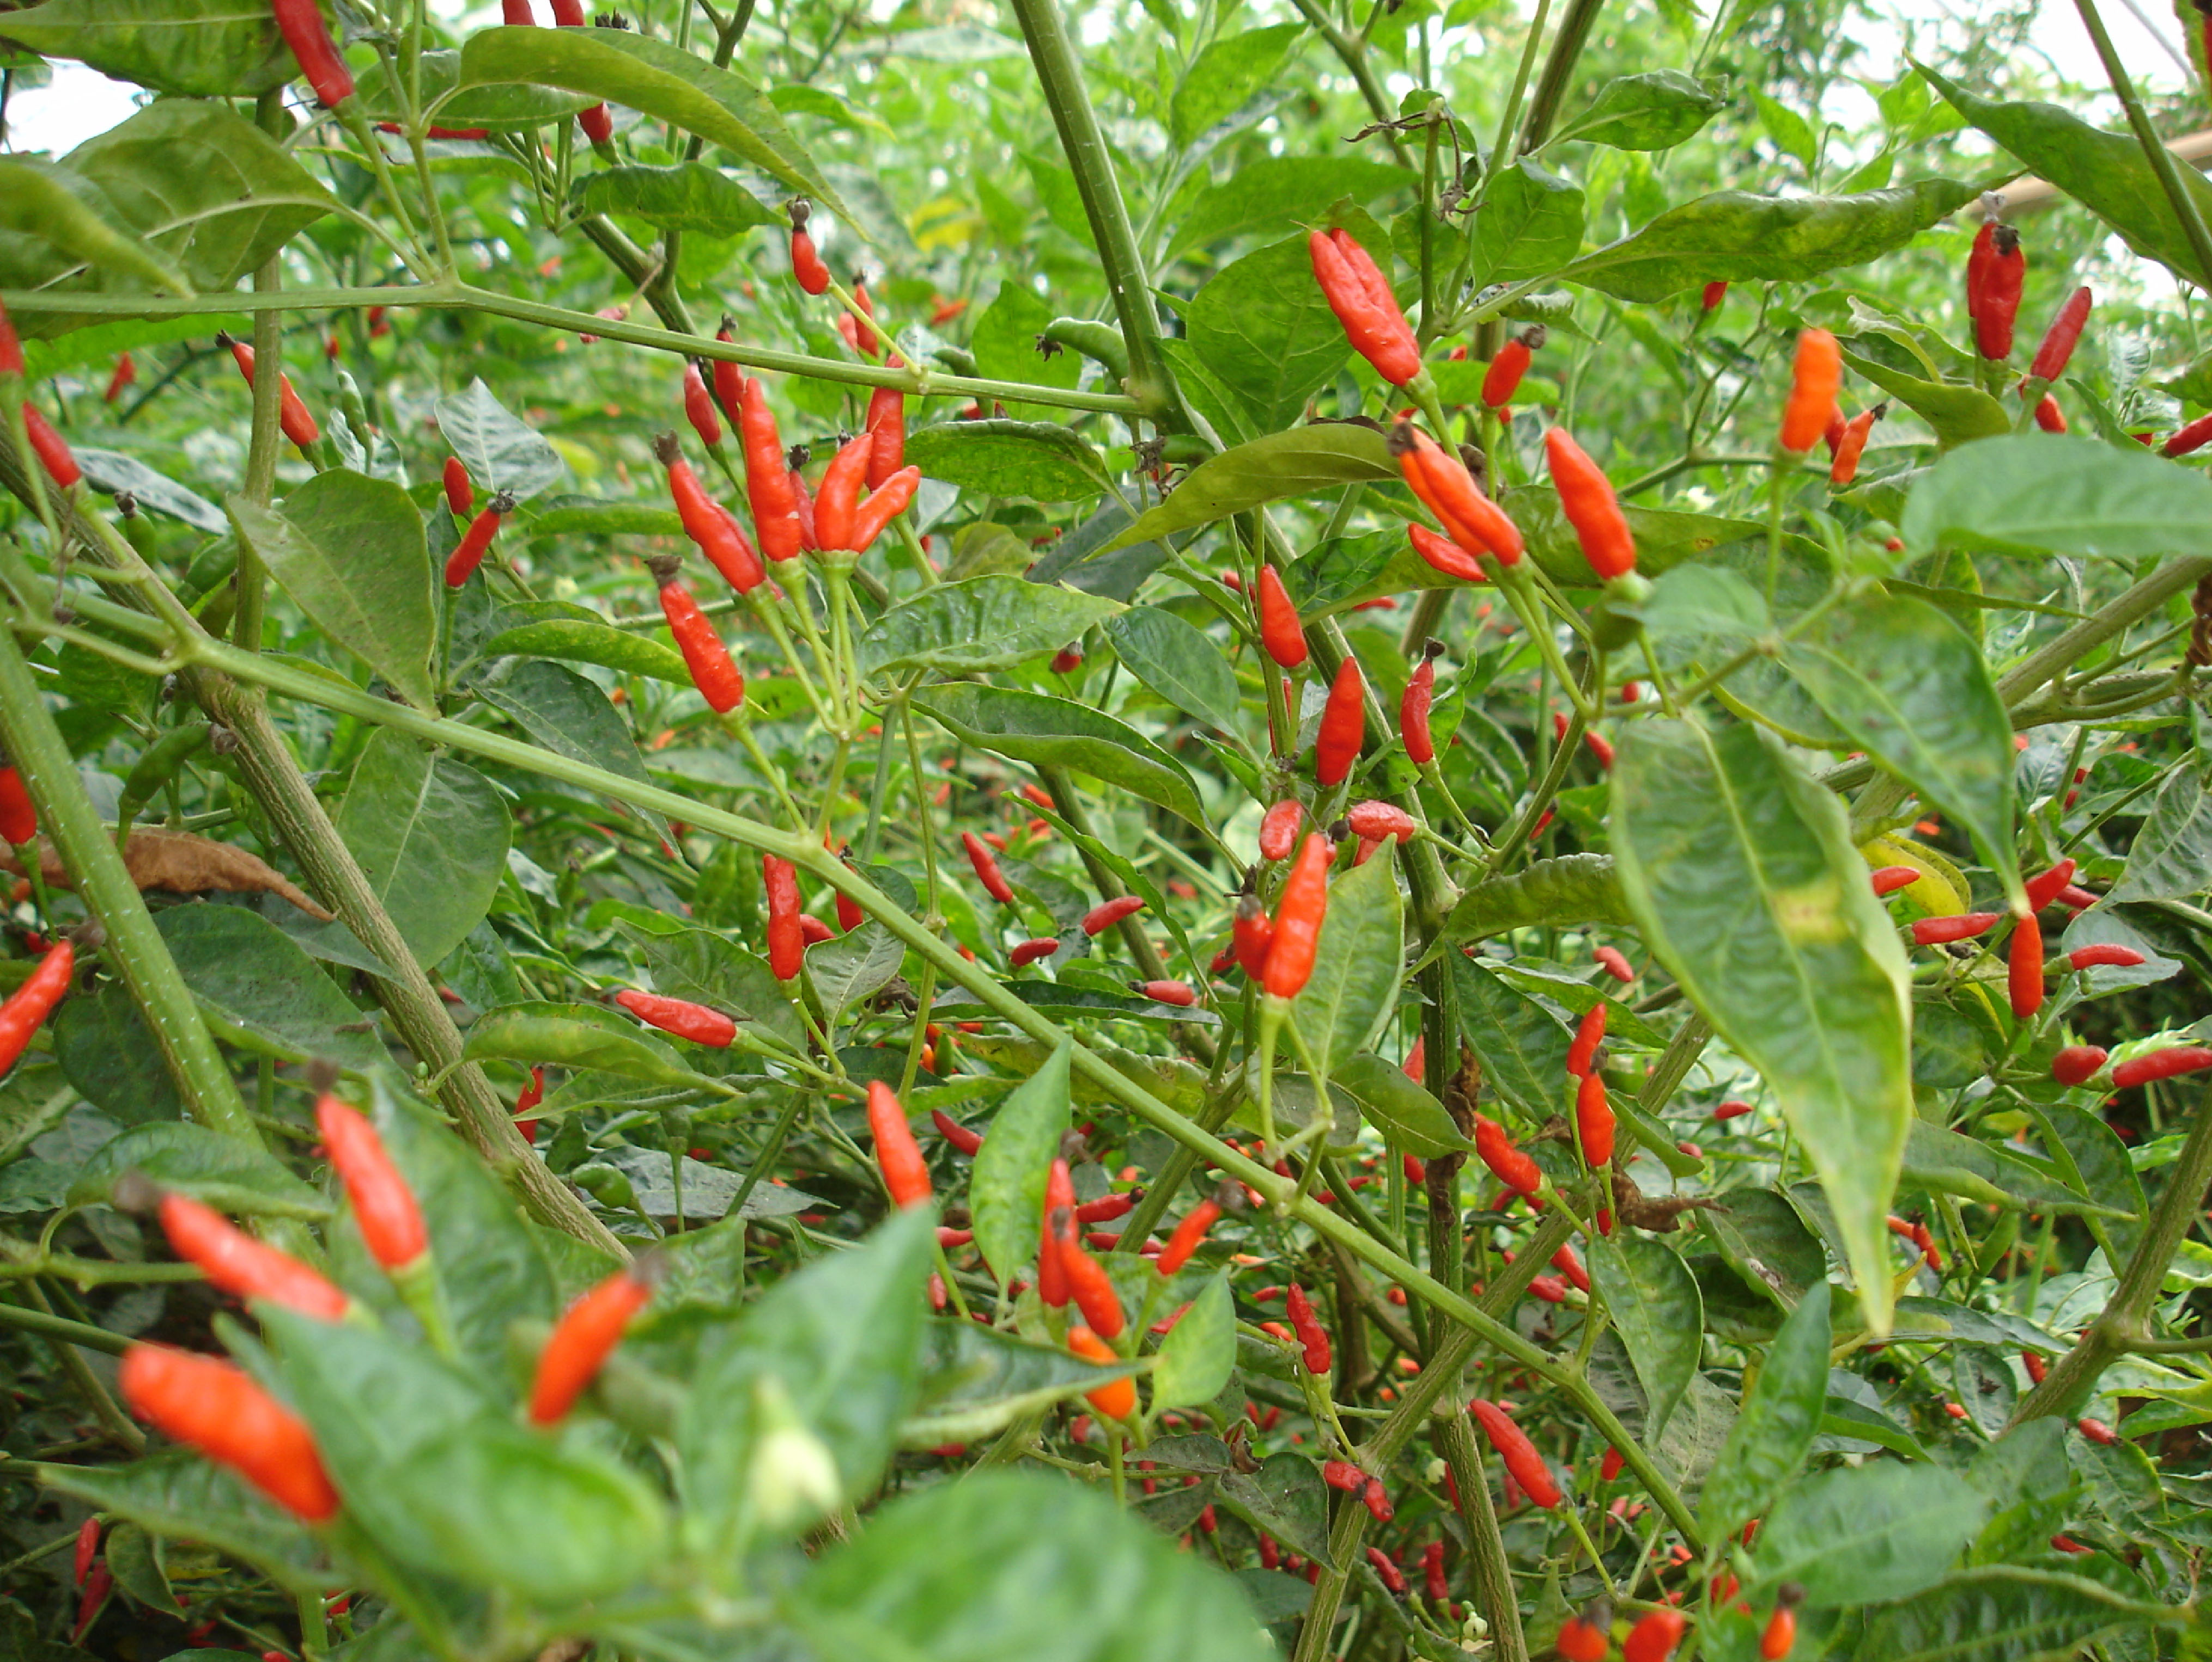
<point>795,1477</point>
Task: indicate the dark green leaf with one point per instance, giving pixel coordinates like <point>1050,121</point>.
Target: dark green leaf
<point>2006,1613</point>
<point>1529,226</point>
<point>1180,663</point>
<point>2171,859</point>
<point>1041,461</point>
<point>2046,493</point>
<point>1775,1429</point>
<point>853,967</point>
<point>227,1173</point>
<point>1654,111</point>
<point>1284,1497</point>
<point>204,48</point>
<point>1354,982</point>
<point>1764,1242</point>
<point>978,1380</point>
<point>1743,876</point>
<point>1853,1537</point>
<point>350,551</point>
<point>710,969</point>
<point>568,715</point>
<point>1653,1299</point>
<point>1574,888</point>
<point>431,835</point>
<point>1300,462</point>
<point>1954,1164</point>
<point>179,1496</point>
<point>623,650</point>
<point>983,623</point>
<point>502,451</point>
<point>1737,237</point>
<point>108,1052</point>
<point>1059,732</point>
<point>261,991</point>
<point>575,1036</point>
<point>109,472</point>
<point>1006,1188</point>
<point>1264,327</point>
<point>1411,1120</point>
<point>687,195</point>
<point>1522,1045</point>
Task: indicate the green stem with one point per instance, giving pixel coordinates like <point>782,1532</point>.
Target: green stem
<point>47,1325</point>
<point>1559,69</point>
<point>2154,147</point>
<point>1353,55</point>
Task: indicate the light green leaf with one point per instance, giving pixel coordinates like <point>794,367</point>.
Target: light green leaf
<point>2171,859</point>
<point>982,623</point>
<point>576,1036</point>
<point>1857,1536</point>
<point>1654,111</point>
<point>688,196</point>
<point>1958,414</point>
<point>2048,492</point>
<point>35,202</point>
<point>1200,1352</point>
<point>1411,1120</point>
<point>502,451</point>
<point>1529,226</point>
<point>1357,963</point>
<point>1228,71</point>
<point>570,638</point>
<point>1041,461</point>
<point>202,48</point>
<point>1263,326</point>
<point>1654,1302</point>
<point>1059,732</point>
<point>1178,662</point>
<point>431,835</point>
<point>1522,1045</point>
<point>1775,1429</point>
<point>1300,462</point>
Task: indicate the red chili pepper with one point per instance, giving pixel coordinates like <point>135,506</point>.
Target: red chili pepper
<point>886,427</point>
<point>1933,931</point>
<point>835,500</point>
<point>301,23</point>
<point>88,1545</point>
<point>1414,706</point>
<point>1728,1111</point>
<point>812,931</point>
<point>1779,1636</point>
<point>475,541</point>
<point>1392,1577</point>
<point>686,1020</point>
<point>384,1207</point>
<point>1298,915</point>
<point>1432,1572</point>
<point>1181,993</point>
<point>582,1340</point>
<point>1059,1224</point>
<point>2097,1431</point>
<point>1503,379</point>
<point>1832,434</point>
<point>1593,1120</point>
<point>1279,629</point>
<point>1028,951</point>
<point>1107,1207</point>
<point>2046,887</point>
<point>1586,498</point>
<point>125,374</point>
<point>1654,1638</point>
<point>1583,1639</point>
<point>1819,374</point>
<point>987,867</point>
<point>1614,964</point>
<point>1888,879</point>
<point>706,522</point>
<point>19,819</point>
<point>1116,1401</point>
<point>1090,1286</point>
<point>28,1006</point>
<point>954,1132</point>
<point>906,1173</point>
<point>2068,1543</point>
<point>1188,1236</point>
<point>461,492</point>
<point>219,1410</point>
<point>883,505</point>
<point>1569,1264</point>
<point>1252,936</point>
<point>1344,1474</point>
<point>97,1586</point>
<point>1522,1462</point>
<point>787,946</point>
<point>2063,334</point>
<point>1104,916</point>
<point>1311,1334</point>
<point>237,1264</point>
<point>1445,555</point>
<point>729,380</point>
<point>1589,1033</point>
<point>2037,1368</point>
<point>1509,1164</point>
<point>806,264</point>
<point>2104,954</point>
<point>1343,725</point>
<point>2077,1064</point>
<point>699,407</point>
<point>2024,967</point>
<point>1360,295</point>
<point>863,338</point>
<point>53,450</point>
<point>11,346</point>
<point>2160,1065</point>
<point>1444,486</point>
<point>2049,417</point>
<point>1851,446</point>
<point>533,1095</point>
<point>1380,820</point>
<point>2001,287</point>
<point>1278,829</point>
<point>1978,257</point>
<point>717,678</point>
<point>1714,295</point>
<point>1611,1466</point>
<point>292,414</point>
<point>768,488</point>
<point>2193,437</point>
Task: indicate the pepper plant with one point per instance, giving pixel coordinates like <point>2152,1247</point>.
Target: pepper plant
<point>1336,831</point>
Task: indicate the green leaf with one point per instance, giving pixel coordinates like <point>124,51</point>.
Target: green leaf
<point>1857,1536</point>
<point>621,650</point>
<point>575,1036</point>
<point>1951,1164</point>
<point>1275,194</point>
<point>1907,683</point>
<point>708,968</point>
<point>508,108</point>
<point>1356,963</point>
<point>1180,663</point>
<point>179,1496</point>
<point>1041,461</point>
<point>1775,1429</point>
<point>1059,732</point>
<point>228,1174</point>
<point>688,196</point>
<point>1229,70</point>
<point>1573,888</point>
<point>200,48</point>
<point>108,1052</point>
<point>431,835</point>
<point>656,79</point>
<point>559,515</point>
<point>1959,415</point>
<point>1529,226</point>
<point>978,1380</point>
<point>1008,1566</point>
<point>2105,173</point>
<point>1767,1244</point>
<point>983,623</point>
<point>262,991</point>
<point>1006,1188</point>
<point>1522,1045</point>
<point>1200,1352</point>
<point>210,193</point>
<point>2047,493</point>
<point>2172,857</point>
<point>839,1342</point>
<point>1301,462</point>
<point>39,204</point>
<point>1411,1120</point>
<point>110,472</point>
<point>351,553</point>
<point>1284,1498</point>
<point>568,715</point>
<point>1746,886</point>
<point>853,967</point>
<point>1656,1307</point>
<point>1654,111</point>
<point>1999,1614</point>
<point>1737,237</point>
<point>1265,329</point>
<point>502,451</point>
<point>1792,133</point>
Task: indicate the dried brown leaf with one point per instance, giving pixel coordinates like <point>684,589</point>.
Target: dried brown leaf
<point>179,863</point>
